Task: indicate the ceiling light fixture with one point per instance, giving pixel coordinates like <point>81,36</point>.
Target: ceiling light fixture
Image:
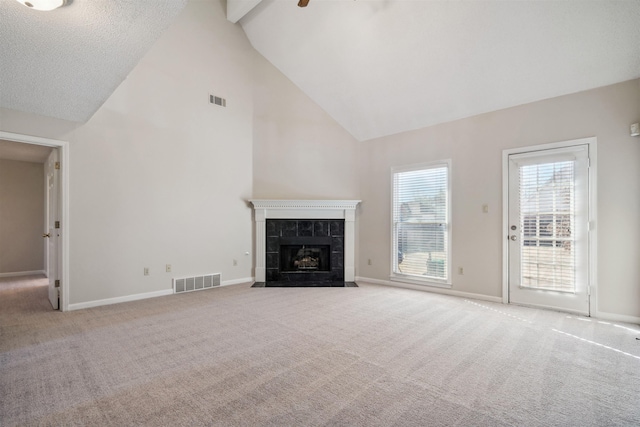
<point>45,5</point>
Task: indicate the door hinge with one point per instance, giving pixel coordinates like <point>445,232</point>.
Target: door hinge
<point>57,224</point>
<point>57,165</point>
<point>57,283</point>
<point>589,290</point>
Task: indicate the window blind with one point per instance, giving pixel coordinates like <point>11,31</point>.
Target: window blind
<point>420,222</point>
<point>547,218</point>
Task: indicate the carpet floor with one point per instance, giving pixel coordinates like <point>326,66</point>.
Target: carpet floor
<point>365,356</point>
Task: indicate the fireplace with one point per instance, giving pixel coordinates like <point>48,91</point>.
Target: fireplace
<point>304,250</point>
<point>305,240</point>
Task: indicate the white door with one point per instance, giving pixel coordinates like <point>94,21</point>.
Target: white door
<point>548,229</point>
<point>53,231</point>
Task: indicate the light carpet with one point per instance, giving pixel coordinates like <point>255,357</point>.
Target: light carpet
<point>366,356</point>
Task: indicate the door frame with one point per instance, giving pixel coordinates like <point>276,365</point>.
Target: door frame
<point>592,275</point>
<point>63,199</point>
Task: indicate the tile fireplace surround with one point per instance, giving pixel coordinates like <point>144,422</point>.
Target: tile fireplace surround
<point>305,209</point>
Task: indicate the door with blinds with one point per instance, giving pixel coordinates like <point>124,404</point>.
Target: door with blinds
<point>548,229</point>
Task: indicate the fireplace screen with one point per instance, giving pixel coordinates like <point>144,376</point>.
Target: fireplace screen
<point>304,258</point>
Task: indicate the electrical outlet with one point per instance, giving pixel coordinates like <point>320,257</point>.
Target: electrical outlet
<point>369,261</point>
<point>485,208</point>
<point>461,271</point>
<point>146,271</point>
<point>168,268</point>
<point>235,262</point>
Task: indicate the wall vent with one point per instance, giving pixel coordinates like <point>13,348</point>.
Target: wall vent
<point>195,283</point>
<point>217,100</point>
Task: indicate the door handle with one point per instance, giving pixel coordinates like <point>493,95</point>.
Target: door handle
<point>46,235</point>
<point>514,237</point>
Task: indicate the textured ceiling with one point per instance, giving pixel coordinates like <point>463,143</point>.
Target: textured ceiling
<point>23,152</point>
<point>383,67</point>
<point>67,62</point>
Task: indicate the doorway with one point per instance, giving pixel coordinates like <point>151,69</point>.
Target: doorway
<point>59,285</point>
<point>549,211</point>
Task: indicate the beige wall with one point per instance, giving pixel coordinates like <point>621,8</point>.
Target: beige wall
<point>299,151</point>
<point>21,216</point>
<point>158,175</point>
<point>475,146</point>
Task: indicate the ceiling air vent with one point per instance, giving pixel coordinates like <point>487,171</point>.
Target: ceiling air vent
<point>217,100</point>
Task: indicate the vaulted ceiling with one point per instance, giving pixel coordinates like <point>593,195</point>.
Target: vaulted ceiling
<point>378,67</point>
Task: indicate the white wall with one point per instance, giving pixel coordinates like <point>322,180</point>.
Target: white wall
<point>475,146</point>
<point>22,222</point>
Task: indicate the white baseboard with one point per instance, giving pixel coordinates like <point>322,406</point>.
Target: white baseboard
<point>116,300</point>
<point>136,297</point>
<point>24,273</point>
<point>617,317</point>
<point>237,281</point>
<point>598,315</point>
<point>436,290</point>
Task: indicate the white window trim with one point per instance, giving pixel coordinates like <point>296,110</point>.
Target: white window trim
<point>396,277</point>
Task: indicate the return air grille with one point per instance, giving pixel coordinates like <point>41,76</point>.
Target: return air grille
<point>196,283</point>
<point>217,100</point>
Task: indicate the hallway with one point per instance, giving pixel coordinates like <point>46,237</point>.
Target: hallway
<point>23,296</point>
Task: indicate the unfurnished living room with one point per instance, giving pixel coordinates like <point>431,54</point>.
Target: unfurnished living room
<point>319,212</point>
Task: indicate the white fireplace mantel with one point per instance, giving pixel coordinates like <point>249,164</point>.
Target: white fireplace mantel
<point>306,209</point>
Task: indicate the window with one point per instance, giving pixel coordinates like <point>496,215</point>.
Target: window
<point>421,223</point>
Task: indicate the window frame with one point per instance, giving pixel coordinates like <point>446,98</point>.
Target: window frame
<point>413,279</point>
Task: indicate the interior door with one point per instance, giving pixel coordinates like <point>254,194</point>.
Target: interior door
<point>548,229</point>
<point>53,230</point>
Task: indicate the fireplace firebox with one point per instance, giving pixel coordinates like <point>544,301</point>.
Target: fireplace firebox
<point>305,255</point>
